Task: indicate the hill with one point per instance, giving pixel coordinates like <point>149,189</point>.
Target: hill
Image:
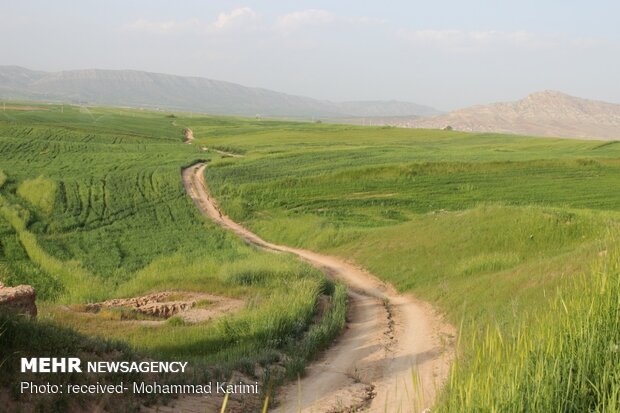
<point>153,90</point>
<point>547,113</point>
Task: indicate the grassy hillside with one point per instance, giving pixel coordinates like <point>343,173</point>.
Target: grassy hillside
<point>92,207</point>
<point>491,228</point>
<point>500,232</point>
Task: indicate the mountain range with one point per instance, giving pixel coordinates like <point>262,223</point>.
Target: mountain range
<point>548,113</point>
<point>132,88</point>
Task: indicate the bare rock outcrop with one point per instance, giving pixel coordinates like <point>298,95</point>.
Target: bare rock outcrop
<point>20,299</point>
<point>157,305</point>
<point>192,307</point>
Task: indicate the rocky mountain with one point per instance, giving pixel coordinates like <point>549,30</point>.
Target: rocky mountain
<point>547,113</point>
<point>153,90</point>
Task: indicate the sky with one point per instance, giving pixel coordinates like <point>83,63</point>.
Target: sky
<point>442,53</point>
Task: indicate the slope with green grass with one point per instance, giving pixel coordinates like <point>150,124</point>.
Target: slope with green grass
<point>92,207</point>
<point>493,229</point>
<point>489,227</point>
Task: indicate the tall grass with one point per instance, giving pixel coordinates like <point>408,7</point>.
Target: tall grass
<point>565,359</point>
<point>321,334</point>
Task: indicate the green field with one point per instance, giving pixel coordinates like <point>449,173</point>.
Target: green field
<point>493,229</point>
<point>92,207</point>
<point>513,238</point>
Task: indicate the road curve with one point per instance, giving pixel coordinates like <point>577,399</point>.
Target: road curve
<point>391,340</point>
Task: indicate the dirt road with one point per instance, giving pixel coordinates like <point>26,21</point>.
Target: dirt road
<point>391,340</point>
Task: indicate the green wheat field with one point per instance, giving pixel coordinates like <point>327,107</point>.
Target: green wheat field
<point>514,239</point>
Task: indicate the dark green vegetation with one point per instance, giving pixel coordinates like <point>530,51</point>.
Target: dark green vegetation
<point>491,228</point>
<point>25,338</point>
<point>92,207</point>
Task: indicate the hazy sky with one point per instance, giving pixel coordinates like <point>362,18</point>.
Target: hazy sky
<point>442,53</point>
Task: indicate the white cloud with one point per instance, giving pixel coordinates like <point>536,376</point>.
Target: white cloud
<point>246,19</point>
<point>299,19</point>
<point>476,41</point>
<point>236,17</point>
<point>239,18</point>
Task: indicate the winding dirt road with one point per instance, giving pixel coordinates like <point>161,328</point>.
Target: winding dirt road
<point>390,342</point>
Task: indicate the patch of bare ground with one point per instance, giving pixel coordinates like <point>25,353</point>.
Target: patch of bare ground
<point>192,307</point>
